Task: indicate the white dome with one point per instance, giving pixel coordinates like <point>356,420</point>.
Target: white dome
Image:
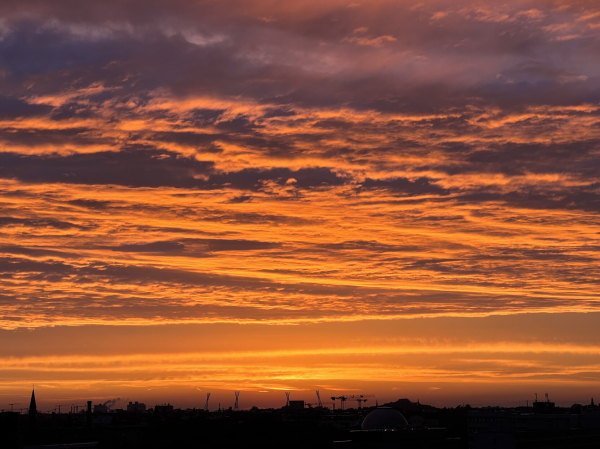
<point>382,419</point>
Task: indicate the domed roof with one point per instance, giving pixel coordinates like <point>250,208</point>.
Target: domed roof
<point>383,418</point>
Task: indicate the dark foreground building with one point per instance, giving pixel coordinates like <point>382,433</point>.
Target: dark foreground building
<point>511,429</point>
<point>387,428</point>
<point>401,425</point>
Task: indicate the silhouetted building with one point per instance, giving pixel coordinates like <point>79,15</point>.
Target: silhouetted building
<point>166,408</point>
<point>89,414</point>
<point>296,405</point>
<point>9,430</point>
<point>100,408</point>
<point>384,418</point>
<point>136,407</point>
<point>496,428</point>
<point>32,408</point>
<point>491,428</point>
<point>386,428</point>
<point>416,421</point>
<point>544,407</point>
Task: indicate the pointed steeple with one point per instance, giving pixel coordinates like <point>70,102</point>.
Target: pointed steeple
<point>32,405</point>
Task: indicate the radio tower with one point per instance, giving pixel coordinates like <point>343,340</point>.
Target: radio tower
<point>237,401</point>
<point>320,404</point>
<point>287,398</point>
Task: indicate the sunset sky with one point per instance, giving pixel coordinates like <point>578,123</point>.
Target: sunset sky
<point>385,197</point>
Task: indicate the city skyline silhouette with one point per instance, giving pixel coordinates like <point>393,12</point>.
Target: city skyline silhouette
<point>242,198</point>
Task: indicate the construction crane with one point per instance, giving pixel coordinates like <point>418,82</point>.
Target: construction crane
<point>206,403</point>
<point>287,398</point>
<point>360,398</point>
<point>12,406</point>
<point>59,406</point>
<point>319,399</point>
<point>237,401</point>
<point>342,401</point>
<point>76,407</point>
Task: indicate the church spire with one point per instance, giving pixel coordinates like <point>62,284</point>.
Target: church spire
<point>32,405</point>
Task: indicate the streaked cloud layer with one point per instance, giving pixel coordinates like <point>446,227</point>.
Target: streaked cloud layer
<point>293,163</point>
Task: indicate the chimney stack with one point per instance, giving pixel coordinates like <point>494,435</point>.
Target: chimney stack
<point>89,413</point>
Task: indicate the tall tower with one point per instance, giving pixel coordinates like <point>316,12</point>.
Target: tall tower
<point>32,405</point>
<point>32,408</point>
